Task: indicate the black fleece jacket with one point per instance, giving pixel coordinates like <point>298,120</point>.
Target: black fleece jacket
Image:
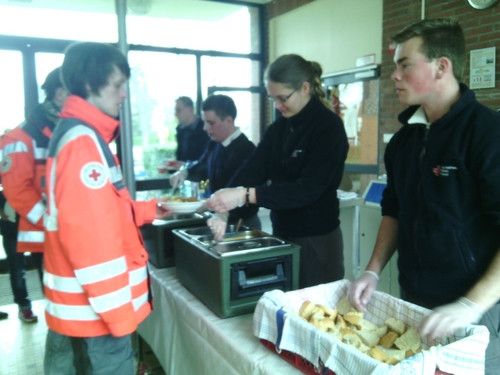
<point>444,188</point>
<point>296,170</point>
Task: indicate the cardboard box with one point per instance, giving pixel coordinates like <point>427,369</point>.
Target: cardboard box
<point>462,353</point>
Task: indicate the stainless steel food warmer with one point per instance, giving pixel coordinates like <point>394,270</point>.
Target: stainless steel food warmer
<point>231,276</point>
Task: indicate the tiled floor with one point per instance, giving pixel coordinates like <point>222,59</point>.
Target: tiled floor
<point>22,345</point>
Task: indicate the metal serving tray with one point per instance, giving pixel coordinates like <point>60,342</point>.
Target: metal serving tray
<point>158,237</point>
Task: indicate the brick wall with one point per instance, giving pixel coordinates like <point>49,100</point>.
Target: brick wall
<point>481,28</point>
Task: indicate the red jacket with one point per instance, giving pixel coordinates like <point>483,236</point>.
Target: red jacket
<point>96,281</point>
<point>24,153</point>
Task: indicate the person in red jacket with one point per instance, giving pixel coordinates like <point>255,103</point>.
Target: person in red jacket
<point>24,152</point>
<point>96,280</point>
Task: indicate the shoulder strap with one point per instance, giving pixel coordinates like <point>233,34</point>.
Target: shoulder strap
<point>72,128</point>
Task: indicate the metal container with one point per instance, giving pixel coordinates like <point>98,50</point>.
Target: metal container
<point>231,276</point>
<point>159,240</point>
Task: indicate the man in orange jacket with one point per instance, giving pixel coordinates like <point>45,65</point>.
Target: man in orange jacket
<point>96,280</point>
<point>24,153</point>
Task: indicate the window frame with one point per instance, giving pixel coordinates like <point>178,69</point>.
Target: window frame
<point>29,46</point>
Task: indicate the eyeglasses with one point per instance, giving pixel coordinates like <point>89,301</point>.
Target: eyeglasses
<point>281,99</point>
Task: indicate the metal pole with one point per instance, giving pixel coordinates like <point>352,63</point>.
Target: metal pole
<point>126,113</point>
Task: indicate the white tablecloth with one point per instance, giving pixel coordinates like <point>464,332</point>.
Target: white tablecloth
<point>188,338</point>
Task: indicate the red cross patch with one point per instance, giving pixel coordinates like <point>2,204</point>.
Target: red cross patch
<point>6,164</point>
<point>437,170</point>
<point>94,175</point>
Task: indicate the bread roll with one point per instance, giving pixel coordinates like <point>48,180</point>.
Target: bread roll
<point>366,325</point>
<point>329,311</point>
<point>318,311</point>
<point>350,338</point>
<point>377,354</point>
<point>409,340</point>
<point>392,361</point>
<point>395,353</point>
<point>368,338</point>
<point>306,310</point>
<point>388,339</point>
<point>336,334</point>
<point>381,331</point>
<point>353,317</point>
<point>396,325</point>
<point>340,322</point>
<point>328,323</point>
<point>344,306</point>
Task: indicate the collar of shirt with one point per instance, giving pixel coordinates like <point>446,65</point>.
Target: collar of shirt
<point>231,138</point>
<point>419,117</point>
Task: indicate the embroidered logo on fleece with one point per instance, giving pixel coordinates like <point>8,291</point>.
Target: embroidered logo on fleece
<point>94,175</point>
<point>443,170</point>
<point>6,164</point>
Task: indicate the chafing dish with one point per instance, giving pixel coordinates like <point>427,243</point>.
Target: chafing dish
<point>230,276</point>
<point>158,237</point>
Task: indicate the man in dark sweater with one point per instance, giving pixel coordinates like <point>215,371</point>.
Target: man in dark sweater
<point>224,154</point>
<point>441,207</point>
<point>191,138</point>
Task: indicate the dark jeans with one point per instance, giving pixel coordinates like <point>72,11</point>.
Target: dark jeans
<point>321,258</point>
<point>491,319</point>
<point>16,263</point>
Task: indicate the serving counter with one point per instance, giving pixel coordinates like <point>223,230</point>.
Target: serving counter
<point>188,338</point>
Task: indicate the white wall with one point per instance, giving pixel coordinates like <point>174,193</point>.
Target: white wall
<point>332,32</point>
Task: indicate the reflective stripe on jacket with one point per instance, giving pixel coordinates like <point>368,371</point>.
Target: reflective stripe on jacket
<point>96,281</point>
<point>24,151</point>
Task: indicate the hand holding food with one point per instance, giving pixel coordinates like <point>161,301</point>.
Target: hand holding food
<point>445,319</point>
<point>361,290</point>
<point>224,200</point>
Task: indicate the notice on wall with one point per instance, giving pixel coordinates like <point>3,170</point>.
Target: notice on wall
<point>482,68</point>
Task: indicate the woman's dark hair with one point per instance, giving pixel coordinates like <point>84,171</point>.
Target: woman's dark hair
<point>88,64</point>
<point>222,105</point>
<point>293,70</point>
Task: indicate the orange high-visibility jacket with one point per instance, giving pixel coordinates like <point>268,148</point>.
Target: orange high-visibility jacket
<point>24,153</point>
<point>96,281</point>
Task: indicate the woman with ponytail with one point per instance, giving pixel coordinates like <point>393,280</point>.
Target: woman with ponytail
<point>296,170</point>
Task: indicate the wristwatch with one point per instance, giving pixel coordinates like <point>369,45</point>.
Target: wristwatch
<point>482,4</point>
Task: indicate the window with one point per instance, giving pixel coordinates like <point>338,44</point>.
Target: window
<point>176,48</point>
<point>157,80</point>
<point>45,63</point>
<point>89,21</point>
<point>12,93</point>
<point>196,25</point>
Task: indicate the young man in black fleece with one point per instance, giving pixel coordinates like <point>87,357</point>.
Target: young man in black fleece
<point>441,207</point>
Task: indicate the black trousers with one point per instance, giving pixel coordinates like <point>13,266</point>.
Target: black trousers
<point>321,258</point>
